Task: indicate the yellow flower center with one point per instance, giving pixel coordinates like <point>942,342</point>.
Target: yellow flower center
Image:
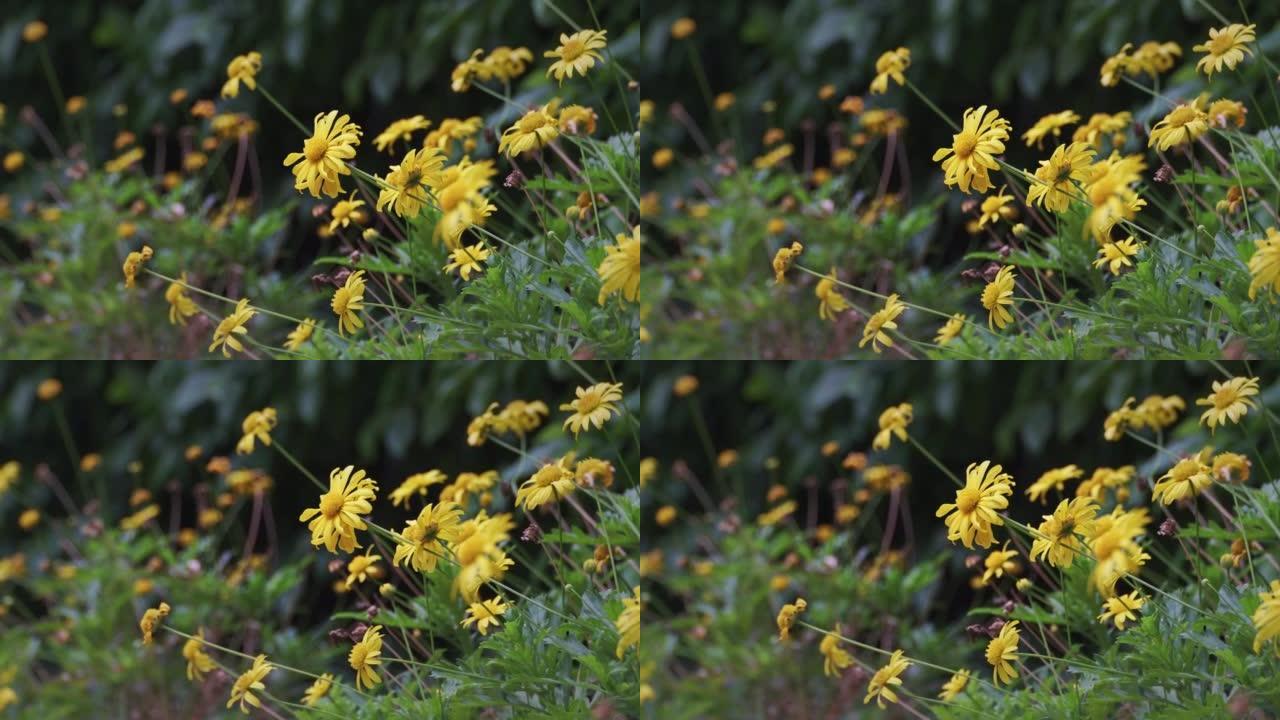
<point>967,499</point>
<point>532,122</point>
<point>965,145</point>
<point>314,149</point>
<point>1221,44</point>
<point>358,654</point>
<point>331,504</point>
<point>588,402</point>
<point>573,50</point>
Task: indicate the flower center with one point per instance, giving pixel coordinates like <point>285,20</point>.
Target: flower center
<point>967,500</point>
<point>331,504</point>
<point>314,149</point>
<point>1221,44</point>
<point>531,122</point>
<point>965,144</point>
<point>573,50</point>
<point>588,402</point>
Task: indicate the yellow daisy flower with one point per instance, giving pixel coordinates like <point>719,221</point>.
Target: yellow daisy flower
<point>1226,47</point>
<point>1121,609</point>
<point>996,295</point>
<point>224,335</point>
<point>322,162</point>
<point>830,301</point>
<point>834,657</point>
<point>1115,255</point>
<point>973,150</point>
<point>1054,189</point>
<point>548,484</point>
<point>1051,124</point>
<point>593,406</point>
<point>242,68</point>
<point>951,329</point>
<point>956,685</point>
<point>620,270</point>
<point>348,300</point>
<point>300,334</point>
<point>407,184</point>
<point>400,130</point>
<point>534,130</point>
<point>1264,265</point>
<point>422,541</point>
<point>886,678</point>
<point>883,319</point>
<point>1230,400</point>
<point>1267,617</point>
<point>318,690</point>
<point>1002,651</point>
<point>366,656</point>
<point>576,53</point>
<point>257,424</point>
<point>466,260</point>
<point>893,421</point>
<point>1181,126</point>
<point>334,523</point>
<point>1058,536</point>
<point>181,306</point>
<point>248,682</point>
<point>485,614</point>
<point>198,662</point>
<point>891,64</point>
<point>976,509</point>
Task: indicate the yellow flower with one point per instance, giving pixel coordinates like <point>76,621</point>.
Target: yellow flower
<point>400,130</point>
<point>257,424</point>
<point>363,567</point>
<point>365,656</point>
<point>1057,537</point>
<point>724,101</point>
<point>684,386</point>
<point>1001,651</point>
<point>75,104</point>
<point>548,484</point>
<point>952,329</point>
<point>34,31</point>
<point>999,562</point>
<point>1049,124</point>
<point>151,621</point>
<point>787,617</point>
<point>996,295</point>
<point>348,300</point>
<point>830,301</point>
<point>242,68</point>
<point>224,334</point>
<point>891,64</point>
<point>29,519</point>
<point>1101,125</point>
<point>181,306</point>
<point>973,150</point>
<point>198,662</point>
<point>1052,480</point>
<point>996,207</point>
<point>834,657</point>
<point>250,680</point>
<point>1264,265</point>
<point>300,334</point>
<point>534,130</point>
<point>628,624</point>
<point>9,475</point>
<point>576,53</point>
<point>956,685</point>
<point>886,678</point>
<point>466,260</point>
<point>893,421</point>
<point>323,158</point>
<point>970,518</point>
<point>1185,479</point>
<point>620,269</point>
<point>450,130</point>
<point>483,614</point>
<point>408,182</point>
<point>1227,112</point>
<point>577,120</point>
<point>1228,401</point>
<point>593,406</point>
<point>1053,188</point>
<point>782,260</point>
<point>13,161</point>
<point>1122,608</point>
<point>345,212</point>
<point>1116,254</point>
<point>318,690</point>
<point>1267,617</point>
<point>683,28</point>
<point>1181,126</point>
<point>1226,46</point>
<point>133,263</point>
<point>416,484</point>
<point>422,541</point>
<point>123,162</point>
<point>883,319</point>
<point>339,514</point>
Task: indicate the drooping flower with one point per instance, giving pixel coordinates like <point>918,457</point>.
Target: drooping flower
<point>976,509</point>
<point>345,212</point>
<point>1267,617</point>
<point>1185,479</point>
<point>366,656</point>
<point>1264,265</point>
<point>318,689</point>
<point>1002,651</point>
<point>422,541</point>
<point>951,329</point>
<point>251,680</point>
<point>534,130</point>
<point>995,207</point>
<point>1121,609</point>
<point>257,424</point>
<point>1052,480</point>
<point>1181,126</point>
<point>577,120</point>
<point>1229,401</point>
<point>1059,537</point>
<point>592,407</point>
<point>348,301</point>
<point>335,522</point>
<point>881,320</point>
<point>834,657</point>
<point>242,68</point>
<point>576,53</point>
<point>998,563</point>
<point>133,263</point>
<point>485,614</point>
<point>151,621</point>
<point>198,661</point>
<point>830,301</point>
<point>401,130</point>
<point>181,306</point>
<point>548,484</point>
<point>416,484</point>
<point>891,64</point>
<point>1054,188</point>
<point>996,295</point>
<point>974,149</point>
<point>1226,47</point>
<point>619,271</point>
<point>954,686</point>
<point>466,260</point>
<point>407,185</point>
<point>882,684</point>
<point>787,617</point>
<point>893,421</point>
<point>300,334</point>
<point>1051,124</point>
<point>783,259</point>
<point>362,567</point>
<point>224,335</point>
<point>322,162</point>
<point>1116,255</point>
